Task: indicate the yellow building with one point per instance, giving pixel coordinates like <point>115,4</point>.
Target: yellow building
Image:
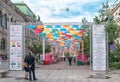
<point>116,13</point>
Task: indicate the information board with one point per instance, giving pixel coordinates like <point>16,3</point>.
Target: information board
<point>99,47</point>
<point>16,47</point>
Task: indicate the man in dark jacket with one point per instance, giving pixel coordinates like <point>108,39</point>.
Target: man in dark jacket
<point>31,64</point>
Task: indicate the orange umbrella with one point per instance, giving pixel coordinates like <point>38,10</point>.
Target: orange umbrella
<point>40,26</point>
<point>66,26</point>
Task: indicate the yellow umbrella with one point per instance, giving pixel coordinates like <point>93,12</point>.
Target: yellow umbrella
<point>47,30</point>
<point>73,32</point>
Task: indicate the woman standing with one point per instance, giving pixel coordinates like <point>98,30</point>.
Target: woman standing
<point>26,68</point>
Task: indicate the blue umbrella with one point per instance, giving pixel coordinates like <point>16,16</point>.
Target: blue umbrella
<point>32,26</point>
<point>42,34</point>
<point>63,29</point>
<point>57,26</point>
<point>75,26</point>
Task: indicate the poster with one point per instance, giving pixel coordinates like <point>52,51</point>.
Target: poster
<point>99,47</point>
<point>16,47</point>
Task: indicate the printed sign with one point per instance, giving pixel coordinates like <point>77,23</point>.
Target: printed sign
<point>99,47</point>
<point>16,47</point>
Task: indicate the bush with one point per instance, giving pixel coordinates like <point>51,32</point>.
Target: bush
<point>114,65</point>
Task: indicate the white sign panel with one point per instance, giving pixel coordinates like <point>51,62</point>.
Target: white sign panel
<point>99,47</point>
<point>16,47</point>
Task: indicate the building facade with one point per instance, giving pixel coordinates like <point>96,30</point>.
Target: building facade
<point>9,13</point>
<point>116,13</point>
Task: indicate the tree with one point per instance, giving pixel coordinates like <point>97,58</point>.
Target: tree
<point>96,20</point>
<point>87,44</point>
<point>47,48</point>
<point>104,13</point>
<point>36,48</point>
<point>113,32</point>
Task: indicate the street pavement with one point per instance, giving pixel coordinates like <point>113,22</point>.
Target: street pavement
<point>62,72</point>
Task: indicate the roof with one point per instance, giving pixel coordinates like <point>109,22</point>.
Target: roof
<point>117,6</point>
<point>25,9</point>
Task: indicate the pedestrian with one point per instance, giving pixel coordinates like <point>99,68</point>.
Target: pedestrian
<point>26,68</point>
<point>70,58</point>
<point>31,64</point>
<point>64,57</point>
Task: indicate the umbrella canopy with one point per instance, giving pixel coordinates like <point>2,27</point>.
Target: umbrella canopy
<point>61,35</point>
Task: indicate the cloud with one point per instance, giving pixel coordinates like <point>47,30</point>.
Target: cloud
<point>65,10</point>
<point>55,10</point>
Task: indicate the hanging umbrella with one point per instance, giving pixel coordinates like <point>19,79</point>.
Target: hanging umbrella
<point>63,29</point>
<point>57,26</point>
<point>43,34</point>
<point>71,29</point>
<point>32,26</point>
<point>66,26</point>
<point>47,30</point>
<point>82,31</point>
<point>40,26</point>
<point>49,26</point>
<point>54,30</point>
<point>79,34</point>
<point>75,26</point>
<point>38,30</point>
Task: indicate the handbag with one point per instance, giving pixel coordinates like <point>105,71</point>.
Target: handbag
<point>25,64</point>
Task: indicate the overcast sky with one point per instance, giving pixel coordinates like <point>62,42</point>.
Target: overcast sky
<point>65,10</point>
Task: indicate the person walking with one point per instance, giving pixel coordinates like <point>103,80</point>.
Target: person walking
<point>31,64</point>
<point>69,57</point>
<point>70,60</point>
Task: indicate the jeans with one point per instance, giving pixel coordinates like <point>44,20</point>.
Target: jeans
<point>32,73</point>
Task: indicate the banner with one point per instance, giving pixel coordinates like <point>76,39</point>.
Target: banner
<point>16,47</point>
<point>99,47</point>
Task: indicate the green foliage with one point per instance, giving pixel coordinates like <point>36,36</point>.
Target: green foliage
<point>67,54</point>
<point>113,32</point>
<point>114,65</point>
<point>115,55</point>
<point>47,48</point>
<point>87,44</point>
<point>96,20</point>
<point>36,48</point>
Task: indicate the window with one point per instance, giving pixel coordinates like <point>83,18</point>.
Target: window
<point>4,21</point>
<point>3,44</point>
<point>0,19</point>
<point>11,19</point>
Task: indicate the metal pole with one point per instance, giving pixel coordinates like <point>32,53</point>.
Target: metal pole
<point>90,60</point>
<point>43,49</point>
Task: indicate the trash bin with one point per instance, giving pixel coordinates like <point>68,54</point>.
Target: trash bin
<point>79,62</point>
